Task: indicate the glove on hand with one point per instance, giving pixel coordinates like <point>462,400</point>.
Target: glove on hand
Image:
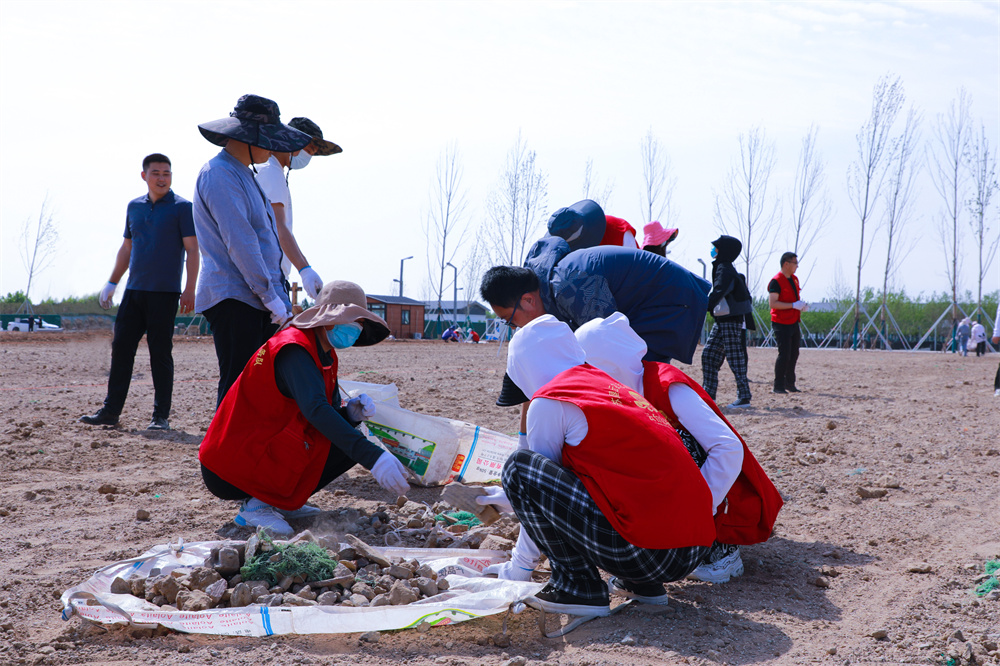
<point>361,407</point>
<point>106,295</point>
<point>509,571</point>
<point>391,474</point>
<point>311,282</point>
<point>497,497</point>
<point>800,305</point>
<point>279,312</point>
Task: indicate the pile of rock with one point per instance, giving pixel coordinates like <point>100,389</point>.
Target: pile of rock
<point>363,577</point>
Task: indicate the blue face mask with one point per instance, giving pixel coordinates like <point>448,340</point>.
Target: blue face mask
<point>714,252</point>
<point>301,160</point>
<point>343,336</point>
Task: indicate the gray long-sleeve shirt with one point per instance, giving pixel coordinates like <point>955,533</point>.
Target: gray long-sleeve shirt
<point>237,236</point>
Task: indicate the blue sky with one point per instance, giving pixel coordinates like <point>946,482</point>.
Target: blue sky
<point>88,89</point>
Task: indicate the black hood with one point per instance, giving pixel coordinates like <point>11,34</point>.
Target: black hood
<point>729,248</point>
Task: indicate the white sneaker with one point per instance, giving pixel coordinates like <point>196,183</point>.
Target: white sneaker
<point>305,511</point>
<point>720,571</point>
<point>996,394</point>
<point>254,513</point>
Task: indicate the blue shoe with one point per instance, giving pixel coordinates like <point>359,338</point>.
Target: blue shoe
<point>254,513</point>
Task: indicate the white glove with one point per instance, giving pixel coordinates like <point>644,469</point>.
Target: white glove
<point>391,474</point>
<point>497,497</point>
<point>509,571</point>
<point>106,295</point>
<point>361,408</point>
<point>279,311</point>
<point>800,305</point>
<point>522,441</point>
<point>311,282</point>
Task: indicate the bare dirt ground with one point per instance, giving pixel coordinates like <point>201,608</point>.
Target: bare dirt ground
<point>832,586</point>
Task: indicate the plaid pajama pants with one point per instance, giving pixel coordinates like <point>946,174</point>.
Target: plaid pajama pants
<point>559,515</point>
<point>725,342</point>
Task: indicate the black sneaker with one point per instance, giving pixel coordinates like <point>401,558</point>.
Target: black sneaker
<point>778,390</point>
<point>742,402</point>
<point>792,389</point>
<point>103,418</point>
<point>158,423</point>
<point>551,600</point>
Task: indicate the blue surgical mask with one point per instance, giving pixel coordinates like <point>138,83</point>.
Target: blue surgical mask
<point>343,336</point>
<point>301,160</point>
<point>714,252</point>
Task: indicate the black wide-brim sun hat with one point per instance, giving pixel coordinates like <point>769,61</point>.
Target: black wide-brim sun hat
<point>323,147</point>
<point>256,121</point>
<point>510,394</point>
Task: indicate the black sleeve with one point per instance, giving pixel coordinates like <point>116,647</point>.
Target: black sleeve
<point>773,287</point>
<point>298,378</point>
<point>724,283</point>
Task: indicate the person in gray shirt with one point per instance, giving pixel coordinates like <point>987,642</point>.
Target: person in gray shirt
<point>241,289</point>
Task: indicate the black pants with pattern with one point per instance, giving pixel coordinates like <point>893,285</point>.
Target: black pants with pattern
<point>559,515</point>
<point>726,342</point>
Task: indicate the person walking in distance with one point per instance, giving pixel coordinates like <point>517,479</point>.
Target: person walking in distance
<point>159,233</point>
<point>786,310</point>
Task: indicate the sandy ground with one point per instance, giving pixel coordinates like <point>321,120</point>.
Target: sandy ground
<point>832,586</point>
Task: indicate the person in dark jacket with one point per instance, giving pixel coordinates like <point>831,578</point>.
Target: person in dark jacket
<point>727,341</point>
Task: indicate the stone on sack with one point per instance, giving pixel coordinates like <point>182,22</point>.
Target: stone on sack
<point>380,600</point>
<point>138,585</point>
<point>200,578</point>
<point>216,590</point>
<point>257,590</point>
<point>427,587</point>
<point>400,571</point>
<point>401,593</point>
<point>169,587</point>
<point>368,552</point>
<point>306,593</point>
<point>426,571</point>
<point>194,600</point>
<point>495,542</point>
<point>228,561</point>
<point>328,599</point>
<point>120,586</point>
<point>359,600</point>
<point>240,596</point>
<point>290,599</point>
<point>364,589</point>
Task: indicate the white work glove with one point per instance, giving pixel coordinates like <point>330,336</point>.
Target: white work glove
<point>361,407</point>
<point>522,440</point>
<point>800,305</point>
<point>279,312</point>
<point>497,497</point>
<point>391,474</point>
<point>106,295</point>
<point>311,282</point>
<point>509,571</point>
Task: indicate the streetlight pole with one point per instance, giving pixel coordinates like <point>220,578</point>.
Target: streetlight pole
<point>454,301</point>
<point>401,274</point>
<point>703,267</point>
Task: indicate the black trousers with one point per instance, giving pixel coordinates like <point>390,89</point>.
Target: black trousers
<point>238,330</point>
<point>788,338</point>
<point>149,313</point>
<point>336,464</point>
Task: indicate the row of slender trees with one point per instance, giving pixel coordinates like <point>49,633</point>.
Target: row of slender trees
<point>880,183</point>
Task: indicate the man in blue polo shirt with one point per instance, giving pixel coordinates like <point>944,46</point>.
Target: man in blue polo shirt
<point>159,231</point>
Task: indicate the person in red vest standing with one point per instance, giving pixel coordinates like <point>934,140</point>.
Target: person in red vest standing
<point>605,482</point>
<point>746,502</point>
<point>786,310</point>
<point>281,432</point>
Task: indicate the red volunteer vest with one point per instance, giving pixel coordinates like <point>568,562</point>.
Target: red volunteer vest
<point>787,295</point>
<point>748,513</point>
<point>615,230</point>
<point>259,441</point>
<point>652,494</point>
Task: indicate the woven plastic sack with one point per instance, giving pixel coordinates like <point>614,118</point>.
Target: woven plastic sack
<point>469,597</point>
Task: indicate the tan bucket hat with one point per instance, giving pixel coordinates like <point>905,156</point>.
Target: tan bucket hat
<point>341,302</point>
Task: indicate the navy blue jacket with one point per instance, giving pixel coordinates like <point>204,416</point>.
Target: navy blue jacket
<point>665,303</point>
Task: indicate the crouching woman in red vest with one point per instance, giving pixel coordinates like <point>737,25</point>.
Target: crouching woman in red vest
<point>605,483</point>
<point>745,500</point>
<point>281,433</point>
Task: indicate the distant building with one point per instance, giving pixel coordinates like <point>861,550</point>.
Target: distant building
<point>405,316</point>
<point>470,313</point>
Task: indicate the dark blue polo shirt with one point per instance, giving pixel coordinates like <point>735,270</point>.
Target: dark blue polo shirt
<point>157,230</point>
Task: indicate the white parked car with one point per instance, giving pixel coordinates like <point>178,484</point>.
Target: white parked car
<point>21,324</point>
